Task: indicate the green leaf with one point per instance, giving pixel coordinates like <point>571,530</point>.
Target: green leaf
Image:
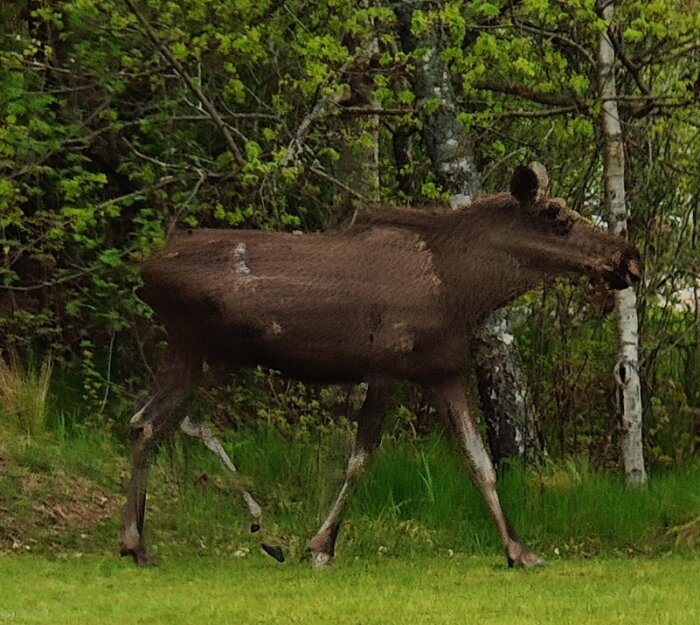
<point>633,35</point>
<point>487,9</point>
<point>111,258</point>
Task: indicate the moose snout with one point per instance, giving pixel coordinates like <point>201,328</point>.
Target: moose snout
<point>624,270</point>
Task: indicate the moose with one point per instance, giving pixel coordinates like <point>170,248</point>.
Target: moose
<point>396,296</point>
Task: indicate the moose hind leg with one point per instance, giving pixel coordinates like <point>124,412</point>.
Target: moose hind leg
<point>451,399</point>
<point>197,430</point>
<point>202,432</point>
<point>149,426</point>
<point>369,434</point>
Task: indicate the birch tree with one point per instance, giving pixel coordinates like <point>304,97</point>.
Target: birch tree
<point>626,370</point>
<point>502,382</point>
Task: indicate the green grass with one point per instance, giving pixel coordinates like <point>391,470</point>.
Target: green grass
<point>34,590</point>
<point>66,496</point>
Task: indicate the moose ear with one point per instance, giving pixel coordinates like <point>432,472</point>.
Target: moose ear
<point>528,183</point>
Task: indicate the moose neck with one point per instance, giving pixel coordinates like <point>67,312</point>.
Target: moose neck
<point>481,270</point>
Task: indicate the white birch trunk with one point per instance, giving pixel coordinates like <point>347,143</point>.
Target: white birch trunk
<point>627,367</point>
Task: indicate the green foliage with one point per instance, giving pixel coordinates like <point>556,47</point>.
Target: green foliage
<point>104,147</point>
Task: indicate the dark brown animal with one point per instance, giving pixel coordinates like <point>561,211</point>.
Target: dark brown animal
<point>396,297</point>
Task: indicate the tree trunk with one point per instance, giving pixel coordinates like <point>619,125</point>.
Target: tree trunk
<point>510,414</point>
<point>502,383</point>
<point>358,163</point>
<point>626,370</point>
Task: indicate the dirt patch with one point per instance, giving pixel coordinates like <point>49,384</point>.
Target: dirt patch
<point>53,510</point>
<point>73,501</point>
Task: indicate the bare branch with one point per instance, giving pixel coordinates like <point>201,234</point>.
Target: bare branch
<point>549,98</point>
<point>230,115</point>
<point>563,110</point>
<point>368,110</point>
<point>166,180</point>
<point>46,285</point>
<point>316,169</point>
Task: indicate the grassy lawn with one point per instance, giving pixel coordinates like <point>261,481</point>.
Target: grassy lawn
<point>462,589</point>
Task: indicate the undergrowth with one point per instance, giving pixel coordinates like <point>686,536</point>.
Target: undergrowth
<point>65,493</point>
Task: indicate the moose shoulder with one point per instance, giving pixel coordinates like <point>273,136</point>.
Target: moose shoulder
<point>395,297</point>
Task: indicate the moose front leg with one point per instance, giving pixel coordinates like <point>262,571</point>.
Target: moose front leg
<point>451,400</point>
<point>369,434</point>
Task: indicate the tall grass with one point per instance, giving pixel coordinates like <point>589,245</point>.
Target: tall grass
<point>417,497</point>
<point>24,391</point>
<point>565,506</point>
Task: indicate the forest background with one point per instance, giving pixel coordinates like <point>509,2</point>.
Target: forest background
<point>123,120</point>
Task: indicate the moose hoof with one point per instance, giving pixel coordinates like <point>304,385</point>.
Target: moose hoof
<point>527,559</point>
<point>322,560</point>
<point>141,558</point>
<point>274,551</point>
<point>321,548</point>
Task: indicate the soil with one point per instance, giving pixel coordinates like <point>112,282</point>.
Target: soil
<point>47,509</point>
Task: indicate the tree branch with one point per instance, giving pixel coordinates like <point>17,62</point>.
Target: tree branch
<point>369,110</point>
<point>556,37</point>
<point>182,72</point>
<point>552,112</point>
<point>631,66</point>
<point>569,103</point>
<point>164,181</point>
<point>549,98</point>
<point>316,169</point>
<point>320,109</point>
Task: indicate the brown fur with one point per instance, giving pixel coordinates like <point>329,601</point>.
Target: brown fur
<point>393,297</point>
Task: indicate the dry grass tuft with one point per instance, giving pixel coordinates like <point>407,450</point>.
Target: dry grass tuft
<point>24,392</point>
<point>687,534</point>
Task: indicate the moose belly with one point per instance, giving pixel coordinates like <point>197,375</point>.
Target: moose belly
<point>336,348</point>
